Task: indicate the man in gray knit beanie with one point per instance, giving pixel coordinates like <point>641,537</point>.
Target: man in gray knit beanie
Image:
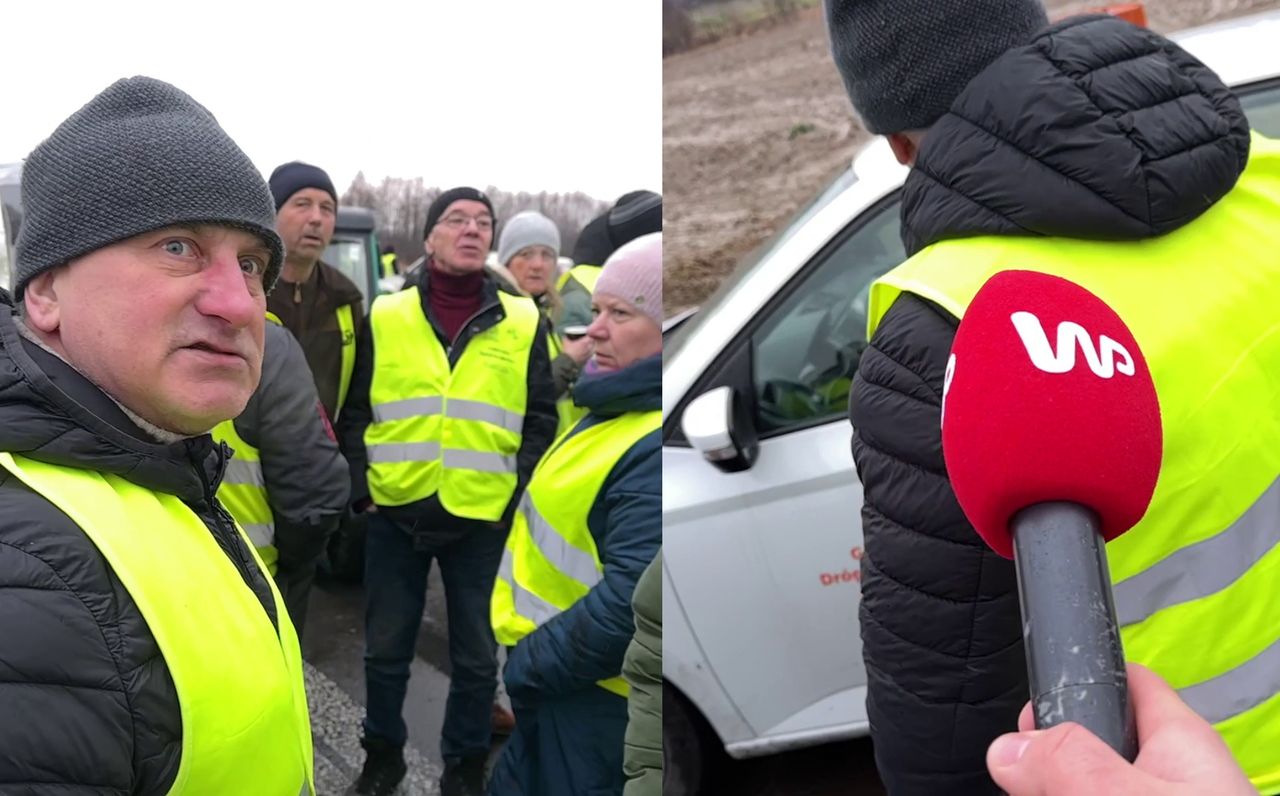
<point>904,63</point>
<point>147,247</point>
<point>141,274</point>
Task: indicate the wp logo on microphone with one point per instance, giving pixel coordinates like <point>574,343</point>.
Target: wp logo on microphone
<point>1102,359</point>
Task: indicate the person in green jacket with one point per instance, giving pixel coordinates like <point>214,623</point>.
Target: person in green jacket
<point>642,669</point>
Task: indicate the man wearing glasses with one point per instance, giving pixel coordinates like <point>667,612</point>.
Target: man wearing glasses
<point>451,406</point>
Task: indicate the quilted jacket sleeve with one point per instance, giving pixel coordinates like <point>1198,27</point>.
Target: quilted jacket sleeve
<point>941,631</point>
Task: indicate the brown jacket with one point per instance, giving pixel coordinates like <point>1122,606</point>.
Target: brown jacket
<point>309,310</point>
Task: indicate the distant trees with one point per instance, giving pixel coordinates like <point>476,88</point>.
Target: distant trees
<point>400,205</point>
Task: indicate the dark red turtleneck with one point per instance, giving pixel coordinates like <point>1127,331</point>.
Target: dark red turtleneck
<point>454,298</point>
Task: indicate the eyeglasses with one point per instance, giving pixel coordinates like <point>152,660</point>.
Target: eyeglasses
<point>483,223</point>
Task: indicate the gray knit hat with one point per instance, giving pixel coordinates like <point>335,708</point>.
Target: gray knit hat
<point>905,61</point>
<point>634,274</point>
<point>529,228</point>
<point>140,156</point>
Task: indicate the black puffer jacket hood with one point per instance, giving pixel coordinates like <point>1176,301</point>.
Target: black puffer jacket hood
<point>1097,129</point>
<point>51,413</point>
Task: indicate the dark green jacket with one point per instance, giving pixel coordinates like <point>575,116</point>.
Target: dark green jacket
<point>642,667</point>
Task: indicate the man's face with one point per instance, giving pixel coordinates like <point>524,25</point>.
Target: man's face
<point>169,323</point>
<point>460,240</point>
<point>623,335</point>
<point>305,223</point>
<point>532,267</point>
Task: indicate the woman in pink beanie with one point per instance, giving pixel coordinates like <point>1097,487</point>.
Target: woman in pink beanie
<point>589,523</point>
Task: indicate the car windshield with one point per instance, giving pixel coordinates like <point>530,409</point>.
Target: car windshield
<point>1261,102</point>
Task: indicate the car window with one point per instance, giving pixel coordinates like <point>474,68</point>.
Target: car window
<point>349,254</point>
<point>1262,105</point>
<point>805,353</point>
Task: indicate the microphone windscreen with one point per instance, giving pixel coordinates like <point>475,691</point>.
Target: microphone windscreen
<point>1048,398</point>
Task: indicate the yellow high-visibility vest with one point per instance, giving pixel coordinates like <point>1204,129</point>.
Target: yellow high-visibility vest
<point>346,324</point>
<point>245,727</point>
<point>448,430</point>
<point>1196,579</point>
<point>586,275</point>
<point>551,560</point>
<point>243,491</point>
<point>388,264</point>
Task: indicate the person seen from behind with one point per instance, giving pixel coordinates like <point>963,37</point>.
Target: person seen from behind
<point>1105,154</point>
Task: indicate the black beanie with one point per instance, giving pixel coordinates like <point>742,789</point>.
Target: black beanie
<point>140,156</point>
<point>447,198</point>
<point>635,214</point>
<point>904,62</point>
<point>292,177</point>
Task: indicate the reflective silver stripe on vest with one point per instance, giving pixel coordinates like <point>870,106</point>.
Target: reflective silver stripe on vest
<point>1203,568</point>
<point>407,408</point>
<point>393,452</point>
<point>528,604</point>
<point>260,533</point>
<point>485,413</point>
<point>1242,688</point>
<point>243,473</point>
<point>577,564</point>
<point>476,460</point>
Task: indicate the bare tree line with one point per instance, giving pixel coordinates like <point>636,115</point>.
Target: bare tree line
<point>400,205</point>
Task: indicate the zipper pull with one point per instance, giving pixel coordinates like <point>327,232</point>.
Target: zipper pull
<point>297,292</point>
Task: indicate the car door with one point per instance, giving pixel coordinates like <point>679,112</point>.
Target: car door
<point>766,559</point>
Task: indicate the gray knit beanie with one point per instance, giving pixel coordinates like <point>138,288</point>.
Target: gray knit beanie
<point>525,229</point>
<point>634,274</point>
<point>140,156</point>
<point>905,61</point>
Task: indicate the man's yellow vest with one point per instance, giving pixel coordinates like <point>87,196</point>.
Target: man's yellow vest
<point>1196,581</point>
<point>586,275</point>
<point>388,264</point>
<point>243,492</point>
<point>245,727</point>
<point>346,325</point>
<point>453,431</point>
<point>551,560</point>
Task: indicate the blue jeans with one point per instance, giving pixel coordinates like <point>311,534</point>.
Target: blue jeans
<point>396,593</point>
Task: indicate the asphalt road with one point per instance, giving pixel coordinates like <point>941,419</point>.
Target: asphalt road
<point>333,647</point>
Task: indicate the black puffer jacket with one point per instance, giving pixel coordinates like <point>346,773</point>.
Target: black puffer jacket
<point>87,704</point>
<point>1095,130</point>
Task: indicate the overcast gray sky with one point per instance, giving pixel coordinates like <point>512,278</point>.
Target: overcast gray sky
<point>557,95</point>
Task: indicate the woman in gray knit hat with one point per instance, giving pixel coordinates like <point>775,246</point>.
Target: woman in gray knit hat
<point>529,249</point>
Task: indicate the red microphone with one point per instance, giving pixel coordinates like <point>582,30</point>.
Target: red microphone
<point>1052,439</point>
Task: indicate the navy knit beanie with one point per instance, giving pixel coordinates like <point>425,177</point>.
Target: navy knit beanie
<point>140,156</point>
<point>290,178</point>
<point>904,62</point>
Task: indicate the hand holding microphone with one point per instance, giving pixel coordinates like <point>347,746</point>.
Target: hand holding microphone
<point>1052,439</point>
<point>1180,753</point>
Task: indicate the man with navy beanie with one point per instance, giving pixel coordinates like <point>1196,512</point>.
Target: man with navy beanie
<point>317,302</point>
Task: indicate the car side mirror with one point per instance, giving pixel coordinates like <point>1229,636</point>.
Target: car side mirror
<point>716,424</point>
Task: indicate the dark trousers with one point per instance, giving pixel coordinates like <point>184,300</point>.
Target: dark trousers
<point>295,591</point>
<point>396,592</point>
<point>564,746</point>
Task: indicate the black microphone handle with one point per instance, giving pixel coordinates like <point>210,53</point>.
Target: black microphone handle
<point>1075,663</point>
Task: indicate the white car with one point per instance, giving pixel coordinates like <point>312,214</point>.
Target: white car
<point>761,512</point>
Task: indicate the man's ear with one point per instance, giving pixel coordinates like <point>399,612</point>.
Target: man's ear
<point>41,301</point>
<point>904,148</point>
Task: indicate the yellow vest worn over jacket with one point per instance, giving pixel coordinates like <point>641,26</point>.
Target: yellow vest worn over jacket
<point>245,727</point>
<point>1197,579</point>
<point>448,430</point>
<point>551,560</point>
<point>243,492</point>
<point>586,275</point>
